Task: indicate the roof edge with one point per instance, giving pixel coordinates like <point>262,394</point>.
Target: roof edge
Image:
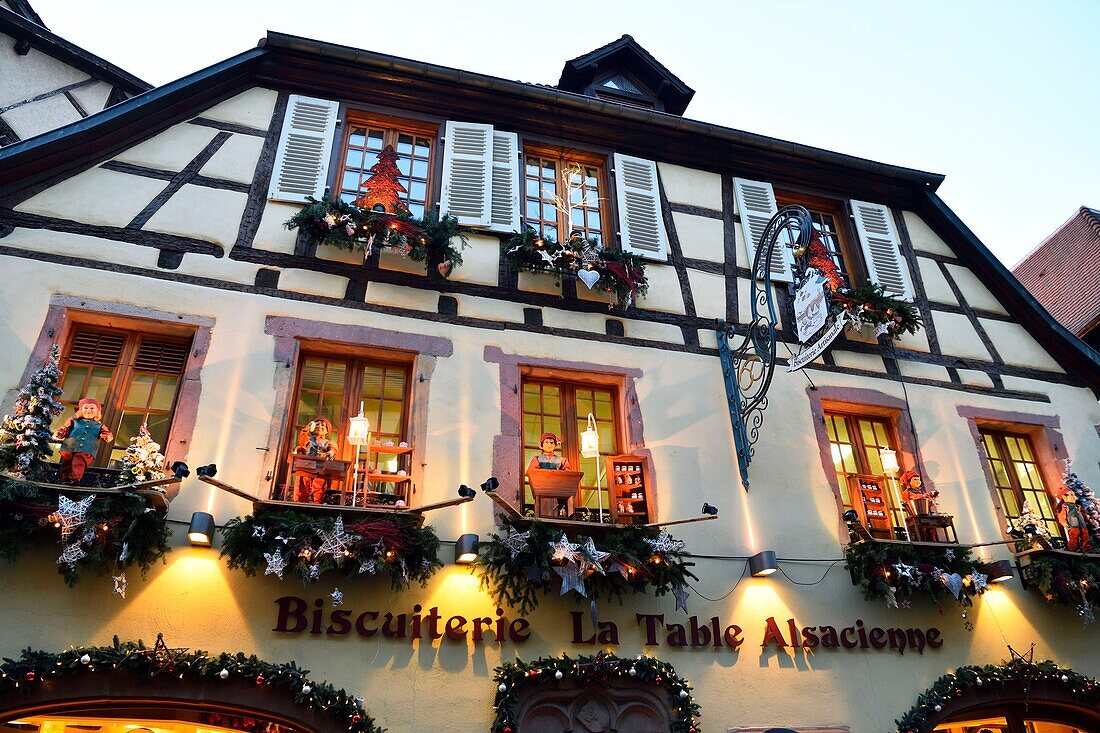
<point>79,57</point>
<point>1067,348</point>
<point>550,95</point>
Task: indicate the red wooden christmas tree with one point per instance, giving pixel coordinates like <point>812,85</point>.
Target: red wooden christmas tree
<point>381,190</point>
<point>818,257</point>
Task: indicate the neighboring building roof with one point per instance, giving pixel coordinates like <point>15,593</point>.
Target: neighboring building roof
<point>30,31</point>
<point>1063,272</point>
<point>318,68</point>
<point>627,54</point>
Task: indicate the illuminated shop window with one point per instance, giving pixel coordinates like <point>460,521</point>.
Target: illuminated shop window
<point>135,376</point>
<point>1017,477</point>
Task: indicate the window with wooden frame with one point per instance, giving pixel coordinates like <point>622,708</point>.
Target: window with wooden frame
<point>1017,477</point>
<point>565,192</point>
<point>414,143</point>
<point>135,375</point>
<point>333,387</point>
<point>831,221</point>
<point>562,407</point>
<point>855,441</point>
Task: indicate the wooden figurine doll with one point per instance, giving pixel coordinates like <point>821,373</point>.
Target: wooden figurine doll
<point>314,442</point>
<point>1072,518</point>
<point>548,459</point>
<point>921,501</point>
<point>80,437</point>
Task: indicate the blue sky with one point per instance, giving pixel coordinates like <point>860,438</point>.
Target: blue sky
<point>1002,97</point>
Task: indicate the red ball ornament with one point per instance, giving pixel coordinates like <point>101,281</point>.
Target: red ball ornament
<point>29,676</point>
<point>658,680</point>
<point>356,718</point>
<point>259,679</point>
<point>507,729</point>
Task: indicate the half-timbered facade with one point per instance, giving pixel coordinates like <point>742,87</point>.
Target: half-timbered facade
<point>149,242</point>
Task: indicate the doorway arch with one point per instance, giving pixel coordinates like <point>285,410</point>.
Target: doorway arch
<point>211,691</point>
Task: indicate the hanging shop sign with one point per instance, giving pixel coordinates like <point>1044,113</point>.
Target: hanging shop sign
<point>810,308</point>
<point>297,616</point>
<point>817,348</point>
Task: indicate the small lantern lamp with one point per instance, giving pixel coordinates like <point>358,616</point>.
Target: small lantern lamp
<point>201,531</point>
<point>590,448</point>
<point>466,549</point>
<point>889,459</point>
<point>358,435</point>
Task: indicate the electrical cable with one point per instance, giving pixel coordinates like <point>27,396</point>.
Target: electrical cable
<point>797,582</point>
<point>731,590</point>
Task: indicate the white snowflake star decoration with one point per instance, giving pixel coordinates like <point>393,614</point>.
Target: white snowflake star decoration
<point>334,542</point>
<point>275,564</point>
<point>905,571</point>
<point>314,571</point>
<point>590,551</point>
<point>980,581</point>
<point>516,542</point>
<point>563,549</point>
<point>71,554</point>
<point>258,531</point>
<point>370,566</point>
<point>337,597</point>
<point>891,598</point>
<point>949,554</point>
<point>570,579</point>
<point>665,544</point>
<point>882,328</point>
<point>120,584</point>
<point>71,514</point>
<point>1086,613</point>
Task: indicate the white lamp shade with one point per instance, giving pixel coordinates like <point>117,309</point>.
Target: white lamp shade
<point>590,440</point>
<point>889,461</point>
<point>358,430</point>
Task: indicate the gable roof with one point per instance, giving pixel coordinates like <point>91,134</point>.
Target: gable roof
<point>32,32</point>
<point>24,8</point>
<point>1063,271</point>
<point>296,64</point>
<point>626,53</point>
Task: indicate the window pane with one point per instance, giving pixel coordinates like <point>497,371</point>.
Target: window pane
<point>420,169</point>
<point>164,393</point>
<point>395,384</point>
<point>553,425</point>
<point>98,384</point>
<point>140,387</point>
<point>1010,505</point>
<point>551,401</point>
<point>531,398</point>
<point>354,158</point>
<point>423,147</point>
<point>391,418</point>
<point>313,374</point>
<point>331,407</point>
<point>418,191</point>
<point>334,376</point>
<point>372,382</point>
<point>842,430</point>
<point>307,406</point>
<point>357,138</point>
<point>532,428</point>
<point>72,383</point>
<point>593,219</point>
<point>549,213</point>
<point>404,144</point>
<point>1000,475</point>
<point>375,139</point>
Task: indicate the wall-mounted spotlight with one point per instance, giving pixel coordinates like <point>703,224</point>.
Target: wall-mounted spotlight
<point>466,492</point>
<point>490,485</point>
<point>466,549</point>
<point>180,470</point>
<point>710,511</point>
<point>201,531</point>
<point>851,515</point>
<point>209,470</point>
<point>763,563</point>
<point>998,571</point>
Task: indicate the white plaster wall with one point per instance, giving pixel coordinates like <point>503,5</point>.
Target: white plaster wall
<point>922,236</point>
<point>709,293</point>
<point>41,116</point>
<point>1017,346</point>
<point>271,235</point>
<point>700,236</point>
<point>170,150</point>
<point>936,287</point>
<point>480,261</point>
<point>94,97</point>
<point>251,108</point>
<point>212,214</point>
<point>236,159</point>
<point>28,76</point>
<point>690,186</point>
<point>664,290</point>
<point>977,295</point>
<point>96,196</point>
<point>958,337</point>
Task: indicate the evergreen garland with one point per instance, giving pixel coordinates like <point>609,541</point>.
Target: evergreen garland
<point>1065,580</point>
<point>870,304</point>
<point>519,579</point>
<point>588,670</point>
<point>40,667</point>
<point>25,434</point>
<point>620,273</point>
<point>873,566</point>
<point>398,547</point>
<point>432,240</point>
<point>119,521</point>
<point>1017,671</point>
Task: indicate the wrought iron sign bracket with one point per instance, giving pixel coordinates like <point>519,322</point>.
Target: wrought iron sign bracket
<point>747,351</point>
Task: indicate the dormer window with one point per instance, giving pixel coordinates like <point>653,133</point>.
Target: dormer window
<point>620,88</point>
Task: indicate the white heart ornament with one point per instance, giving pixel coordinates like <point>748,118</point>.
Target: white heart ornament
<point>444,267</point>
<point>954,583</point>
<point>588,277</point>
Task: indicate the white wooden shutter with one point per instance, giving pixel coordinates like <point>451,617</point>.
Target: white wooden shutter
<point>885,264</point>
<point>756,206</point>
<point>301,162</point>
<point>504,209</point>
<point>468,172</point>
<point>641,225</point>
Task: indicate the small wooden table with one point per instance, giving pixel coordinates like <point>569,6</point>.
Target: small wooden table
<point>332,473</point>
<point>929,527</point>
